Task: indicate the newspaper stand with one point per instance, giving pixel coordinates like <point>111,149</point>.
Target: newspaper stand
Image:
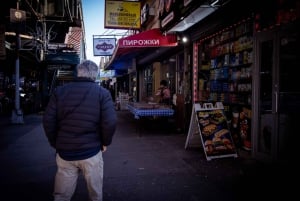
<point>209,121</point>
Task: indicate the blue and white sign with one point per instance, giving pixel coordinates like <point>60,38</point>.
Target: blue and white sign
<point>104,46</point>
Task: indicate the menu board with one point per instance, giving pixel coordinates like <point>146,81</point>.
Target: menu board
<point>215,135</point>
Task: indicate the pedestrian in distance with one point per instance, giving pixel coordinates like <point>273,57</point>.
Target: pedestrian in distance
<point>79,123</point>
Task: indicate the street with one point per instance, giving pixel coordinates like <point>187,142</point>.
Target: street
<point>151,167</point>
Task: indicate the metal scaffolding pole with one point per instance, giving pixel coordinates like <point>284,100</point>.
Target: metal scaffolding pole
<point>17,16</point>
<point>17,113</point>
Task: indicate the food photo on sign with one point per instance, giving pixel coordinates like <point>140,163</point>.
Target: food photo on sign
<point>216,137</point>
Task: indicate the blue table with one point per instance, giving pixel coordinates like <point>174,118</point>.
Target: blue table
<point>143,110</point>
<point>140,111</point>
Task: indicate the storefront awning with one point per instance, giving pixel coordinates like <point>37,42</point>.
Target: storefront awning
<point>132,46</point>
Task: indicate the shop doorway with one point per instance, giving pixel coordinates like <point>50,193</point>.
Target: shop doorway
<point>276,95</point>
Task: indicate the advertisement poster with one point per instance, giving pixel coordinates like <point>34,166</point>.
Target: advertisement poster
<point>215,135</point>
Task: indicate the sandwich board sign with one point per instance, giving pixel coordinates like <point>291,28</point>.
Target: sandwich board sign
<point>209,121</point>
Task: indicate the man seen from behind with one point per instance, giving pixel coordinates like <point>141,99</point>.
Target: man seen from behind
<point>79,122</point>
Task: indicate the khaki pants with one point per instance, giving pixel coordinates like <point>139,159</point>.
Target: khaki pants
<point>67,175</point>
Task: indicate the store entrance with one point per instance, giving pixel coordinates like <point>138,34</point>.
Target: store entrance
<point>277,94</point>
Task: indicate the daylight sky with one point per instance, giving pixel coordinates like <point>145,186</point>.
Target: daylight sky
<point>93,17</point>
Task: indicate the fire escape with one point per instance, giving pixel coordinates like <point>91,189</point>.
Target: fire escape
<point>44,24</point>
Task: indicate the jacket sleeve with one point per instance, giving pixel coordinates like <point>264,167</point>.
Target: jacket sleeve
<point>49,121</point>
<point>108,118</point>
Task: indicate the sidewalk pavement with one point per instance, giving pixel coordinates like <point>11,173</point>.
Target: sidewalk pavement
<point>151,167</point>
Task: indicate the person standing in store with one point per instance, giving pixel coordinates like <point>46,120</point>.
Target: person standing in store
<point>164,93</point>
<point>79,123</point>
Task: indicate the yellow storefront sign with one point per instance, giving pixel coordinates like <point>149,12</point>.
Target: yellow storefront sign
<point>122,15</point>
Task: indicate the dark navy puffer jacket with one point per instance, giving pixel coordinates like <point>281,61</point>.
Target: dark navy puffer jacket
<point>79,116</point>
